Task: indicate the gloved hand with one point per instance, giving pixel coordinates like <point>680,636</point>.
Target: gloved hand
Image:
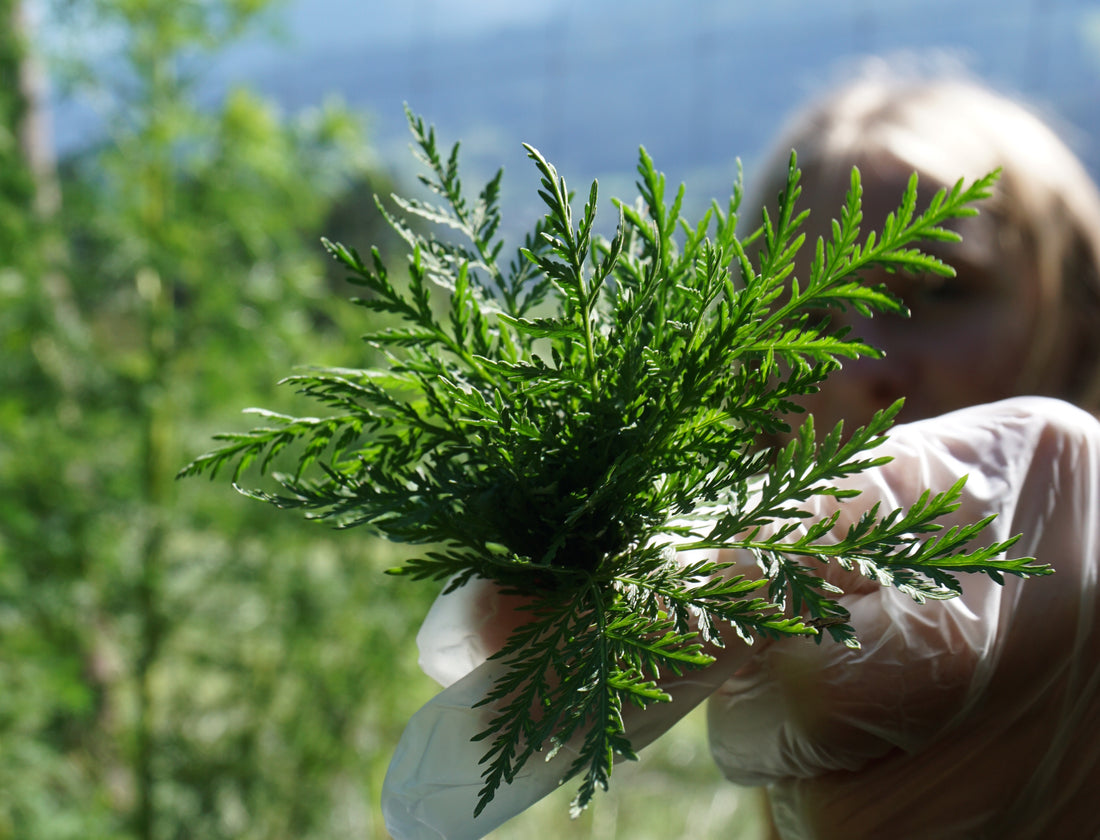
<point>433,780</point>
<point>951,715</point>
<point>970,718</point>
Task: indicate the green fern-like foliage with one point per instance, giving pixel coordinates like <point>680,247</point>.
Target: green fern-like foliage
<point>567,422</point>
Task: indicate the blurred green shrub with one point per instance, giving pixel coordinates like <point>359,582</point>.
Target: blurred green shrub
<point>174,661</point>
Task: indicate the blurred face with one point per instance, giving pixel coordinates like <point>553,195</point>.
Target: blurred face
<point>967,338</point>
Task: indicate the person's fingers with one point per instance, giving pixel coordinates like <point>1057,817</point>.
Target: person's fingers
<point>464,627</point>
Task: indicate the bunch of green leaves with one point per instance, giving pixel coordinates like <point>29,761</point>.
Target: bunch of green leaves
<point>567,422</point>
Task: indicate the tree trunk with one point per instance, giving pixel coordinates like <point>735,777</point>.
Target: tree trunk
<point>31,125</point>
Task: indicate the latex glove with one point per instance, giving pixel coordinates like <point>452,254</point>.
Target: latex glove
<point>970,718</point>
<point>432,783</point>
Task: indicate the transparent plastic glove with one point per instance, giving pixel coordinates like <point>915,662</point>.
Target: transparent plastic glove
<point>433,780</point>
<point>970,718</point>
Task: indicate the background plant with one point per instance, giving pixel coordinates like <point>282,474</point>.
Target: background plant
<point>159,677</point>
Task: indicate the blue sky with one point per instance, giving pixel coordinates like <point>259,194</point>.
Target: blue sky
<point>700,83</point>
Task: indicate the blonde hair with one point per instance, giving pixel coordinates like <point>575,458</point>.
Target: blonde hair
<point>950,129</point>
